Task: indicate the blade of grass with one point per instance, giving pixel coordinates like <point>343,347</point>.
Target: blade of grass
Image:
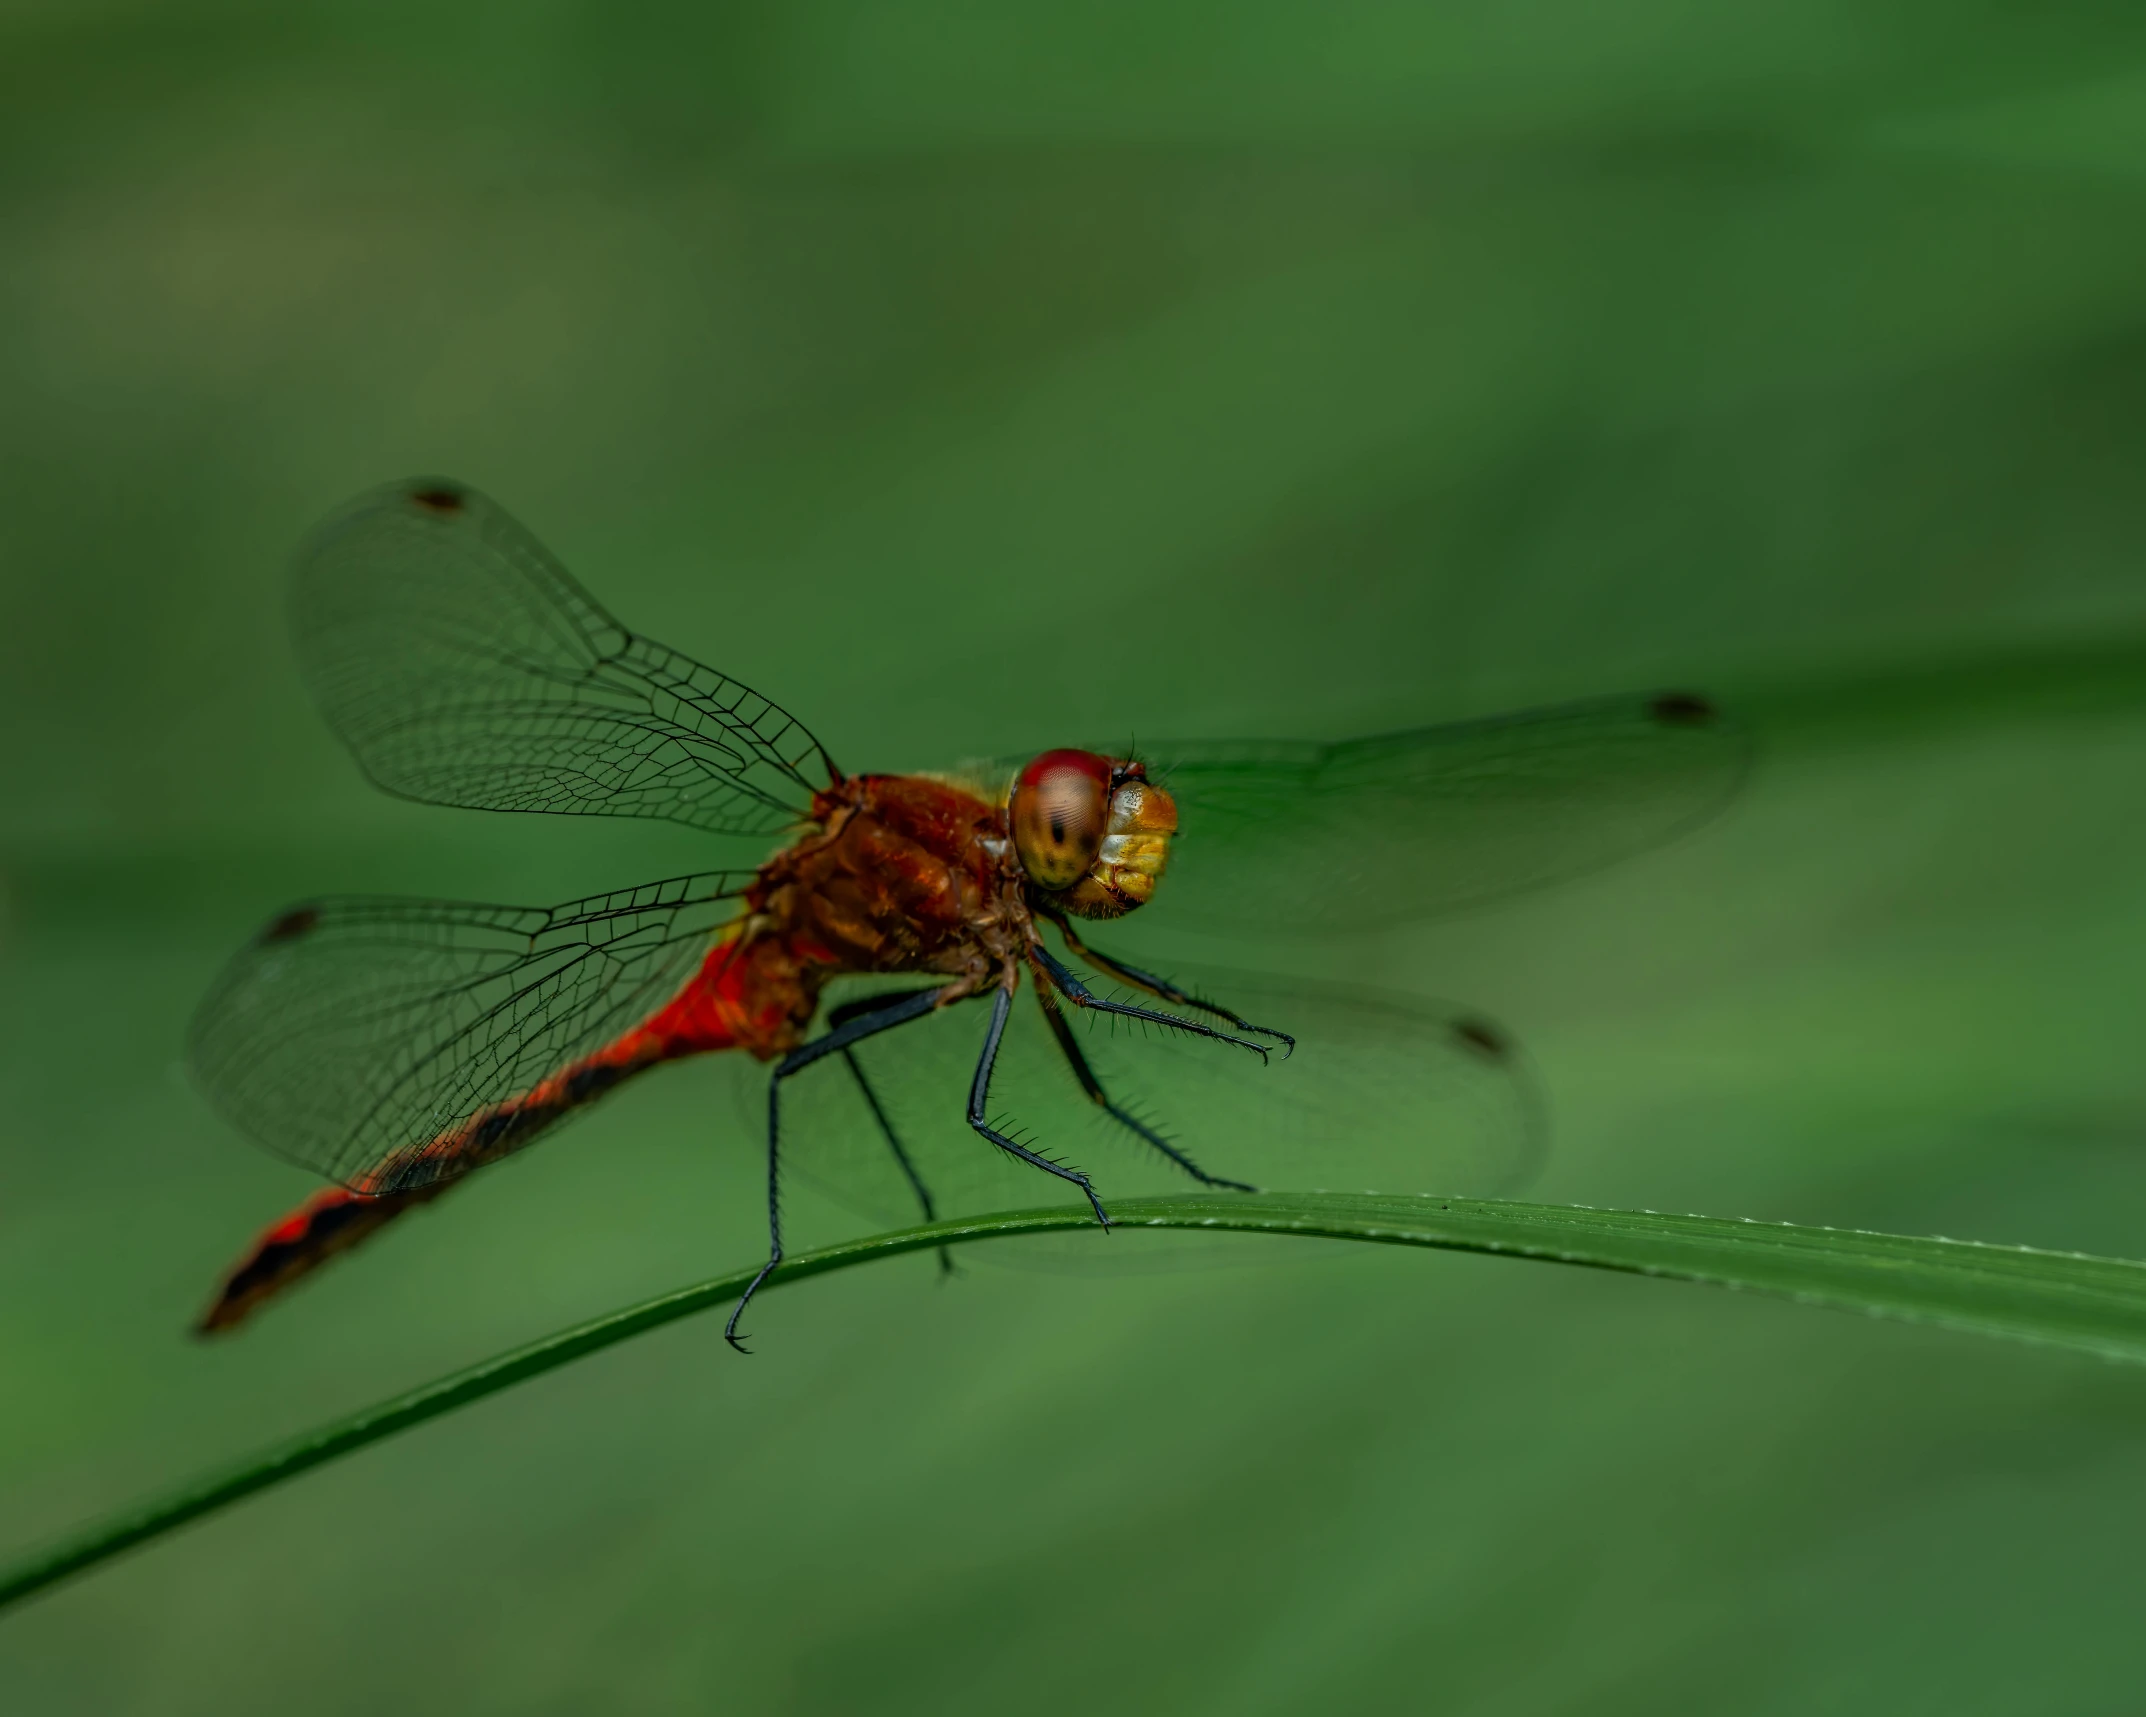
<point>2063,1299</point>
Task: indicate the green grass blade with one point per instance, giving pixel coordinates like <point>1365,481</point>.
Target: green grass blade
<point>2064,1299</point>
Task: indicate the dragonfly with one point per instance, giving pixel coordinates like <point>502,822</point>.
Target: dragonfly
<point>397,1046</point>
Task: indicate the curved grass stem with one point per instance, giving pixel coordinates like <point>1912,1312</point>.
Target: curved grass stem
<point>2064,1299</point>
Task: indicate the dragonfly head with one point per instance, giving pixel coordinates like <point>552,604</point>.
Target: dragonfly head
<point>1093,832</point>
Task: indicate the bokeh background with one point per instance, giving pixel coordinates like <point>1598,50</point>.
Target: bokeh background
<point>968,377</point>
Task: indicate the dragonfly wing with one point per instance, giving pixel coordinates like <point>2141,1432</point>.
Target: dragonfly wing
<point>1324,837</point>
<point>1384,1091</point>
<point>464,666</point>
<point>355,1031</point>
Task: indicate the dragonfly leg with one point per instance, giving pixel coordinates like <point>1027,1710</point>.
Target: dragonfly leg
<point>841,1016</point>
<point>1081,996</point>
<point>901,1153</point>
<point>1166,990</point>
<point>914,1004</point>
<point>979,1102</point>
<point>1078,1061</point>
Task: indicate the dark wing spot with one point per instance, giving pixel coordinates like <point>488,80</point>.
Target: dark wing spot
<point>445,502</point>
<point>1683,709</point>
<point>1483,1038</point>
<point>291,925</point>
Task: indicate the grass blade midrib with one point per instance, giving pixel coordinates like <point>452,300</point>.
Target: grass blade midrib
<point>2065,1299</point>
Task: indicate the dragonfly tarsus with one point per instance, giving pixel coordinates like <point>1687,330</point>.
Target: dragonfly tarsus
<point>1081,996</point>
<point>913,1005</point>
<point>1078,1061</point>
<point>980,1099</point>
<point>1167,991</point>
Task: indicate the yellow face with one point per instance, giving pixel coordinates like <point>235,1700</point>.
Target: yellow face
<point>1092,833</point>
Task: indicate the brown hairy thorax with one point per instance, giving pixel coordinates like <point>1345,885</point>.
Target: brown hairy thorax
<point>902,874</point>
<point>910,873</point>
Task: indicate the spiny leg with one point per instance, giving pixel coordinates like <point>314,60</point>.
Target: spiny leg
<point>1163,988</point>
<point>841,1016</point>
<point>900,1011</point>
<point>1078,1061</point>
<point>980,1099</point>
<point>901,1153</point>
<point>1081,996</point>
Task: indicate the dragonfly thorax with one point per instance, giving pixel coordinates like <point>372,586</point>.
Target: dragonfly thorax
<point>1092,832</point>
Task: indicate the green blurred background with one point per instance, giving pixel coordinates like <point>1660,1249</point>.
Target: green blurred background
<point>973,377</point>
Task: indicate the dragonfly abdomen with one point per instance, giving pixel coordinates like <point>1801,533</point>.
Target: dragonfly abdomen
<point>333,1221</point>
<point>899,881</point>
<point>751,992</point>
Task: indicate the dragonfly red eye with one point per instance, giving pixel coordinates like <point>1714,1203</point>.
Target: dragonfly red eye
<point>1059,807</point>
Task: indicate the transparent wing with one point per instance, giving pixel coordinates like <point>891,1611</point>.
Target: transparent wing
<point>1323,837</point>
<point>1384,1092</point>
<point>464,666</point>
<point>355,1028</point>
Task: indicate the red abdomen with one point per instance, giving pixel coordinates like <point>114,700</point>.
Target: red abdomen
<point>898,881</point>
<point>746,995</point>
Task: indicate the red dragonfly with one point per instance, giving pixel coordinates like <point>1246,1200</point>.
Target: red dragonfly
<point>397,1045</point>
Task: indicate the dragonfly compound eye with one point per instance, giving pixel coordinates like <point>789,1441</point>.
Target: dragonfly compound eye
<point>1105,855</point>
<point>1059,808</point>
